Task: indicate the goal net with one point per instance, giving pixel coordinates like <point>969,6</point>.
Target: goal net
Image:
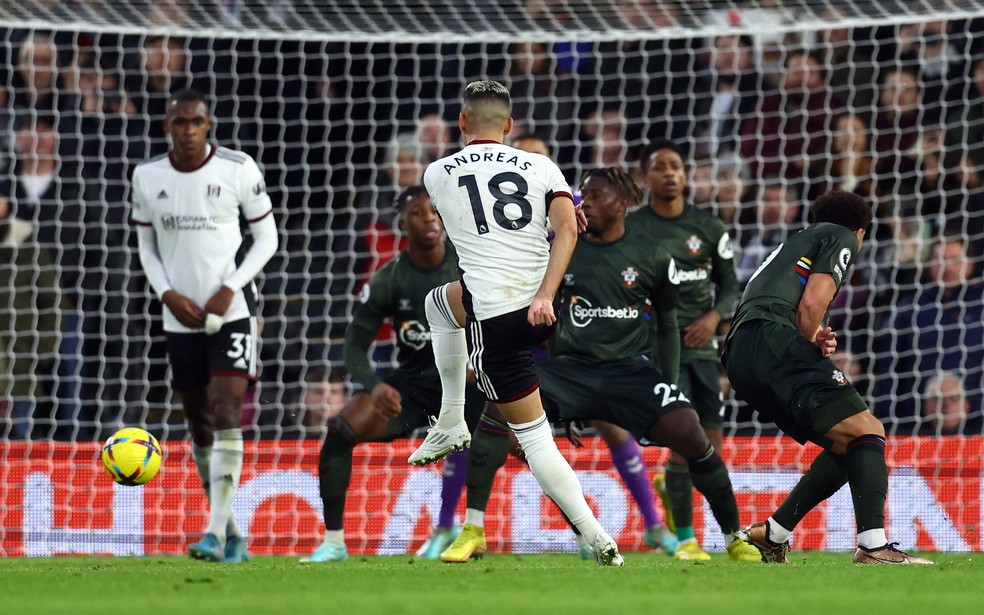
<point>343,104</point>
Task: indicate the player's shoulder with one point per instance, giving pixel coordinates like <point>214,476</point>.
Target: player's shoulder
<point>231,155</point>
<point>153,163</point>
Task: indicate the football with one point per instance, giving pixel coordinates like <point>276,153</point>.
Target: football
<point>132,456</point>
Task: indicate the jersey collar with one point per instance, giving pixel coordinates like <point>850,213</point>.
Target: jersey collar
<point>483,142</point>
<point>211,152</point>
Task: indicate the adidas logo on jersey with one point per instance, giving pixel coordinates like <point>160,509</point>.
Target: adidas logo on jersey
<point>240,363</point>
<point>162,195</point>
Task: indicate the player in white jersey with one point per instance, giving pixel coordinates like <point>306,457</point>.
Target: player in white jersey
<point>495,202</point>
<point>187,207</point>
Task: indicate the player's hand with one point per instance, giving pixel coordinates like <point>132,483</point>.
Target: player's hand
<point>582,220</point>
<point>574,429</point>
<point>184,309</point>
<point>219,302</point>
<point>541,313</point>
<point>701,330</point>
<point>826,341</point>
<point>386,400</point>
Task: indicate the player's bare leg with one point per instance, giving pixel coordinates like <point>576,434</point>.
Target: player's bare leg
<point>446,319</point>
<point>528,421</point>
<point>223,409</point>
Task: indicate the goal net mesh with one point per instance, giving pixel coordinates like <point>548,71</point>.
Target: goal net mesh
<point>344,103</point>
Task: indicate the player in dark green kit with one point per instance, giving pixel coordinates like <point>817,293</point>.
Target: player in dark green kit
<point>391,407</point>
<point>599,368</point>
<point>777,357</point>
<point>708,290</point>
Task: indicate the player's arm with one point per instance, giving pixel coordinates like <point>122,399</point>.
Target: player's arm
<point>367,318</point>
<point>188,313</point>
<point>667,330</point>
<point>726,291</point>
<point>258,211</point>
<point>564,221</point>
<point>819,292</point>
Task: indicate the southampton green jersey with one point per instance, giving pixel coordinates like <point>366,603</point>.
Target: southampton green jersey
<point>701,247</point>
<point>774,291</point>
<point>604,299</point>
<point>396,292</point>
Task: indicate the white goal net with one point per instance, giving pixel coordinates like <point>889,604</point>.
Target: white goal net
<point>343,103</point>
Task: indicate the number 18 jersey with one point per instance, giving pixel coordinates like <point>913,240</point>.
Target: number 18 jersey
<point>493,200</point>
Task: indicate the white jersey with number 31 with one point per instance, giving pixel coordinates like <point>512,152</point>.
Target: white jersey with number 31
<point>493,200</point>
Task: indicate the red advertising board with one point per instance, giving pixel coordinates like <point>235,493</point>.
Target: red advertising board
<point>56,499</point>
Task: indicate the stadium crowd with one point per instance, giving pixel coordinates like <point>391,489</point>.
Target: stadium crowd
<point>893,113</point>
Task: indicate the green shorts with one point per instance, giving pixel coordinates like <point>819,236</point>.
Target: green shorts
<point>699,380</point>
<point>421,399</point>
<point>784,377</point>
<point>630,394</point>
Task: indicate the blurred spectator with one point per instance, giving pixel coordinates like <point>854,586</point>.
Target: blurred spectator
<point>793,123</point>
<point>324,396</point>
<point>726,94</point>
<point>848,165</point>
<point>605,132</point>
<point>543,98</point>
<point>896,126</point>
<point>30,328</point>
<point>945,407</point>
<point>36,84</point>
<point>941,328</point>
<point>717,187</point>
<point>776,216</point>
<point>850,71</point>
<point>434,136</point>
<point>966,128</point>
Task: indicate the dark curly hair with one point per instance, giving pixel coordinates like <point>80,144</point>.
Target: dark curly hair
<point>625,187</point>
<point>843,208</point>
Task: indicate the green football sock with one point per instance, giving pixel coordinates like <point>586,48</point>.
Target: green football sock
<point>488,452</point>
<point>711,478</point>
<point>680,490</point>
<point>868,476</point>
<point>334,474</point>
<point>826,475</point>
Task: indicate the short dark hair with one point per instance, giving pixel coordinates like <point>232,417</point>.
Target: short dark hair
<point>409,194</point>
<point>30,120</point>
<point>187,95</point>
<point>657,145</point>
<point>841,207</point>
<point>625,186</point>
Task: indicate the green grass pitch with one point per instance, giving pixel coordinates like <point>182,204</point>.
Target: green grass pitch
<point>501,584</point>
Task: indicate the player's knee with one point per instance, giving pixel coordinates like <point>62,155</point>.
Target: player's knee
<point>340,433</point>
<point>440,317</point>
<point>680,430</point>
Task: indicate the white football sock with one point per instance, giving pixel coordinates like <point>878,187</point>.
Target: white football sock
<point>555,475</point>
<point>450,355</point>
<point>475,517</point>
<point>335,536</point>
<point>872,539</point>
<point>777,533</point>
<point>226,468</point>
<point>203,461</point>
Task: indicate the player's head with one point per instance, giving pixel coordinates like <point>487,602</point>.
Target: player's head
<point>188,121</point>
<point>606,194</point>
<point>533,143</point>
<point>36,137</point>
<point>843,208</point>
<point>485,110</point>
<point>665,169</point>
<point>419,219</point>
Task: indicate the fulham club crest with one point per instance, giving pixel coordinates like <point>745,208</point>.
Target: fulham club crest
<point>839,377</point>
<point>213,191</point>
<point>629,277</point>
